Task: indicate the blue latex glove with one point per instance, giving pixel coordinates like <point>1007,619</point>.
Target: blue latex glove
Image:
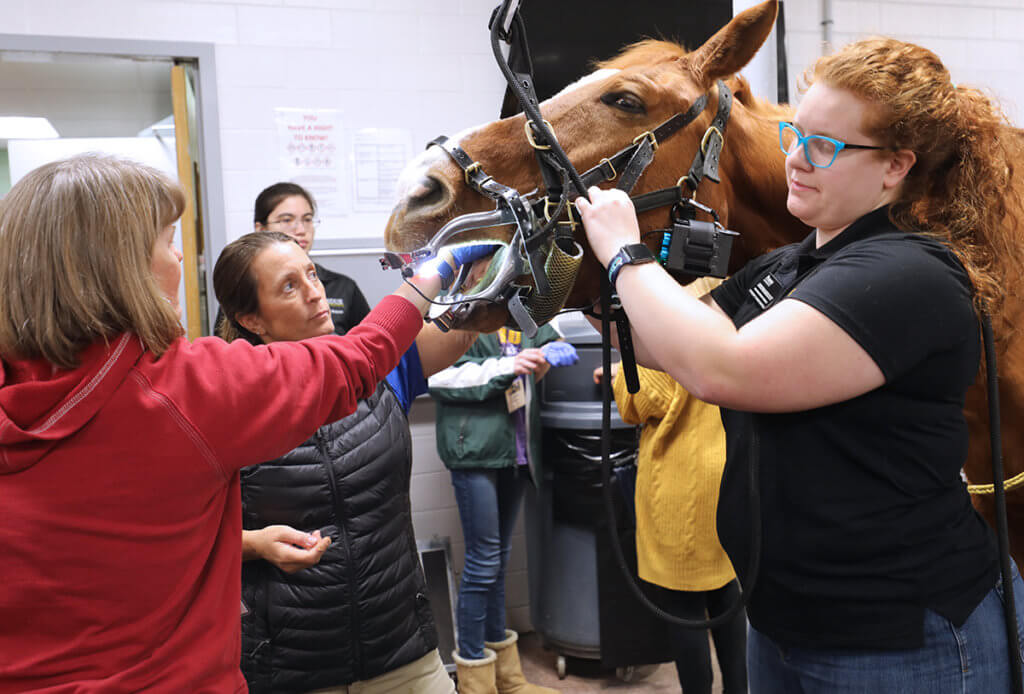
<point>452,258</point>
<point>560,353</point>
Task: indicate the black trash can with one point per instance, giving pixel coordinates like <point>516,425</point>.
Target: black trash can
<point>579,603</point>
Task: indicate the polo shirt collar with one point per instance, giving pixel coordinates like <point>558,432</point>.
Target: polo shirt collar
<point>873,223</point>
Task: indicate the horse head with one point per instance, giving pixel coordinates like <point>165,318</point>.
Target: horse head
<point>631,94</point>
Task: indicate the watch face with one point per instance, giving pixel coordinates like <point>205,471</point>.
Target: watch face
<point>638,252</point>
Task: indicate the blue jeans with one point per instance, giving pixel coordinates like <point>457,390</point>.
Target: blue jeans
<point>488,502</point>
<point>966,659</point>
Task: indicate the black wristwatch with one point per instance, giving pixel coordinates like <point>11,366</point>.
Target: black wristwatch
<point>630,254</point>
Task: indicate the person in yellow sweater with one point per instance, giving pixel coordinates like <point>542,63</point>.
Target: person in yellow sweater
<point>679,470</point>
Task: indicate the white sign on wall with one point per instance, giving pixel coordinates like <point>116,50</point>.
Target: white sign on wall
<point>378,157</point>
<point>309,143</point>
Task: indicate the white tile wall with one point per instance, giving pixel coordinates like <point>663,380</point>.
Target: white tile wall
<point>130,19</point>
<point>283,27</point>
<point>378,62</point>
<point>980,41</point>
<point>425,65</point>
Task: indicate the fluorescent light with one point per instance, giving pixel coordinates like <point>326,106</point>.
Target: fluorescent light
<point>26,128</point>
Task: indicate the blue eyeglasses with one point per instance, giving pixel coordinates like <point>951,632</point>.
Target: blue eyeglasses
<point>819,150</point>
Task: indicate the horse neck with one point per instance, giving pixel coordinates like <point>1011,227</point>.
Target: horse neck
<point>755,170</point>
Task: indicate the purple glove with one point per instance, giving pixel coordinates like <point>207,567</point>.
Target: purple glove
<point>560,353</point>
<point>451,259</point>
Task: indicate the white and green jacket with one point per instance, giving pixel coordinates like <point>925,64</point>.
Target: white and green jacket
<point>474,427</point>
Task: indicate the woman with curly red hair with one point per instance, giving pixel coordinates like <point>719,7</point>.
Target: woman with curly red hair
<point>841,364</point>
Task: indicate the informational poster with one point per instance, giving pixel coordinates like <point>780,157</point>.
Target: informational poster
<point>310,154</point>
<point>378,157</point>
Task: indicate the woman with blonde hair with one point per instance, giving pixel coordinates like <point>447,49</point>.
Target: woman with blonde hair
<point>121,442</point>
<point>841,364</point>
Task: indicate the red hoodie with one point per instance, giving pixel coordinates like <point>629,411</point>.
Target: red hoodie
<point>120,520</point>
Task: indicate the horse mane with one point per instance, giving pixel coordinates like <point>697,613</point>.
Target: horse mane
<point>756,105</point>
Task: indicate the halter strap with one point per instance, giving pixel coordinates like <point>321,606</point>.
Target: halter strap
<point>608,167</point>
<point>705,161</point>
<point>484,184</point>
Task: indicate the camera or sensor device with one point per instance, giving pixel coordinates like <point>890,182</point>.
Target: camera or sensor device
<point>695,248</point>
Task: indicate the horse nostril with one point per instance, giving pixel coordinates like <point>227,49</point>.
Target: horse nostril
<point>428,191</point>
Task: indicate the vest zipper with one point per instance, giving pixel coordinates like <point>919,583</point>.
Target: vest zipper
<point>357,651</point>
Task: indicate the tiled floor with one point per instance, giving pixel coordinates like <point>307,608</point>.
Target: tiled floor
<point>588,675</point>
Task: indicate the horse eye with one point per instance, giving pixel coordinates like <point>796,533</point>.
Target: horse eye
<point>624,101</point>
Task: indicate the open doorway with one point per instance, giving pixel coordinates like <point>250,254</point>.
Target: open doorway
<point>142,101</point>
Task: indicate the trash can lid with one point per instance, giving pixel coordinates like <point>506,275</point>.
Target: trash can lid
<point>577,415</point>
<point>575,329</point>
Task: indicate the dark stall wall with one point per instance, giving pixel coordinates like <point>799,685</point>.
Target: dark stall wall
<point>567,36</point>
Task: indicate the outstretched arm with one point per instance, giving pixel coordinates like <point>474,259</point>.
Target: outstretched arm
<point>439,350</point>
<point>792,357</point>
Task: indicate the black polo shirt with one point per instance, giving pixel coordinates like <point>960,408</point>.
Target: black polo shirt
<point>348,305</point>
<point>866,520</point>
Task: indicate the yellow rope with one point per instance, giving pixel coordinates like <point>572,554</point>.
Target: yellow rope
<point>1012,483</point>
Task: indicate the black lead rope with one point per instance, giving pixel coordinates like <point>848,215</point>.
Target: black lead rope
<point>522,84</point>
<point>1002,526</point>
<point>754,497</point>
<point>507,24</point>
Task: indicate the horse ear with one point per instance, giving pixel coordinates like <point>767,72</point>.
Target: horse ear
<point>733,46</point>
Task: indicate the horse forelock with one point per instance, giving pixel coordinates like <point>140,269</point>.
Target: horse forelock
<point>644,53</point>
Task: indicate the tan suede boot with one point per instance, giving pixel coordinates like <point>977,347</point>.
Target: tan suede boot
<point>476,676</point>
<point>509,675</point>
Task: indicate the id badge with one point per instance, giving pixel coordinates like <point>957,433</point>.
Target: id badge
<point>515,396</point>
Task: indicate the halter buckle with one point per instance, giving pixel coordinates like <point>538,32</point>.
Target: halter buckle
<point>611,166</point>
<point>707,136</point>
<point>528,128</point>
<point>690,183</point>
<point>572,221</point>
<point>472,169</point>
<point>648,135</point>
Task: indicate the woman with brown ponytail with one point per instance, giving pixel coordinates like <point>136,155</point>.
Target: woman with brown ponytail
<point>841,366</point>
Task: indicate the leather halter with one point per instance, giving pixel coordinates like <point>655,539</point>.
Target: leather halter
<point>529,215</point>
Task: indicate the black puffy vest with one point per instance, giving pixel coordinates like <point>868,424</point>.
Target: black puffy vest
<point>362,611</point>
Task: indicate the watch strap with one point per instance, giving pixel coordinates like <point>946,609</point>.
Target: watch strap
<point>630,254</point>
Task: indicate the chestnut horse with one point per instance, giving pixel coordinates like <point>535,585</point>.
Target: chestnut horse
<point>635,92</point>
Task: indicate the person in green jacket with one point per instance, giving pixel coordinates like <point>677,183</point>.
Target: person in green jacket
<point>487,416</point>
